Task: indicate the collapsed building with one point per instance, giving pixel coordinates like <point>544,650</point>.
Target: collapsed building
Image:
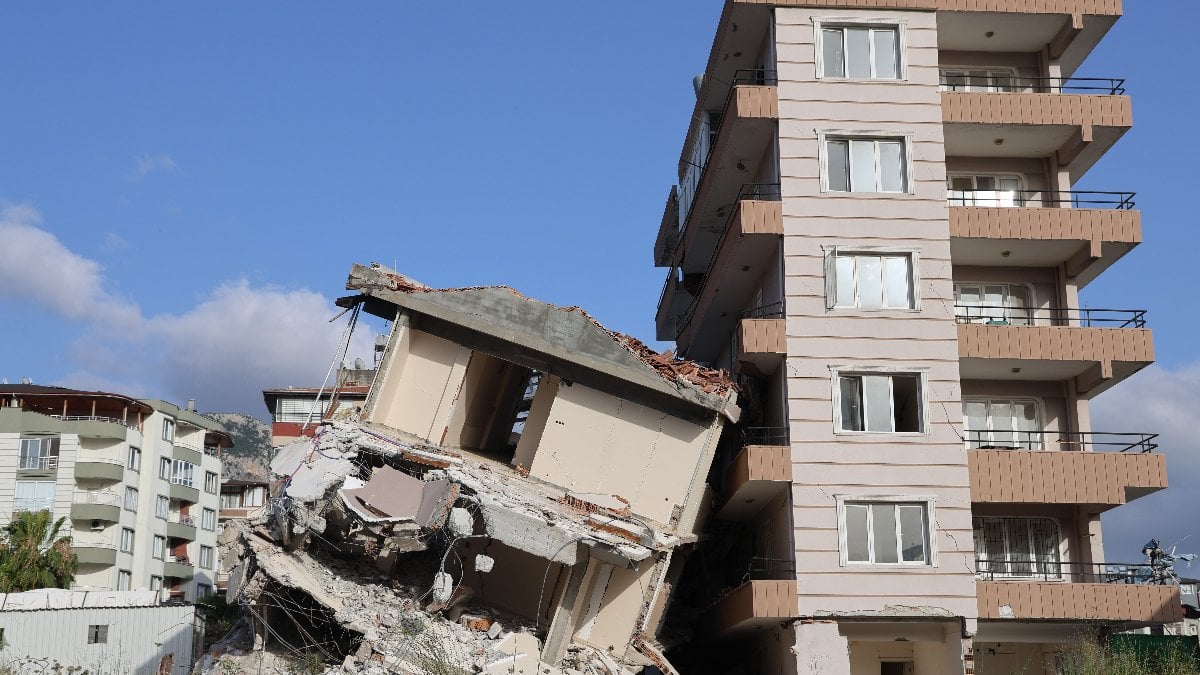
<point>518,495</point>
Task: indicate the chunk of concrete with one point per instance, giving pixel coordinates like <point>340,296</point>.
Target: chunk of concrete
<point>443,587</point>
<point>461,522</point>
<point>484,564</point>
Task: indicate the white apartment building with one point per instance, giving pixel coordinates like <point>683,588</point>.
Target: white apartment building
<point>139,482</point>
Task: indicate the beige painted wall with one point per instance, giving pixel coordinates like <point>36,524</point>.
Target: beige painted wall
<point>423,376</point>
<point>515,582</point>
<point>826,463</point>
<point>614,618</point>
<point>535,423</point>
<point>596,442</point>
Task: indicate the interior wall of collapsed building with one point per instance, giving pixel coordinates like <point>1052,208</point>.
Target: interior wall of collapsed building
<point>576,437</point>
<point>515,582</point>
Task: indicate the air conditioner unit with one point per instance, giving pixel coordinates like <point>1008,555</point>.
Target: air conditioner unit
<point>97,526</point>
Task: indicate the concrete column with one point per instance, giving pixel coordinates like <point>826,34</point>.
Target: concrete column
<point>562,625</point>
<point>821,649</point>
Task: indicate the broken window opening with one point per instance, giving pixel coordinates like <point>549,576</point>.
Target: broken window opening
<point>301,625</point>
<point>487,407</point>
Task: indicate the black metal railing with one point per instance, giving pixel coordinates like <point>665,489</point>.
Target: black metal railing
<point>1075,199</point>
<point>749,191</point>
<point>1098,441</point>
<point>767,569</point>
<point>1053,570</point>
<point>998,315</point>
<point>773,310</point>
<point>1103,86</point>
<point>765,436</point>
<point>759,76</point>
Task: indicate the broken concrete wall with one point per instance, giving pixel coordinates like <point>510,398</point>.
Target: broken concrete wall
<point>419,384</point>
<point>616,598</point>
<point>598,442</point>
<point>517,582</point>
<point>485,405</point>
<point>535,424</point>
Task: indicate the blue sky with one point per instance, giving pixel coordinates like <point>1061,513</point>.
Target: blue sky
<point>185,188</point>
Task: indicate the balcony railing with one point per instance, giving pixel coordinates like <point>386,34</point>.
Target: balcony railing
<point>765,436</point>
<point>1053,570</point>
<point>768,569</point>
<point>1062,441</point>
<point>33,504</point>
<point>999,315</point>
<point>95,418</point>
<point>179,559</point>
<point>47,462</point>
<point>190,521</point>
<point>94,541</point>
<point>1075,199</point>
<point>771,311</point>
<point>103,497</point>
<point>751,191</point>
<point>756,77</point>
<point>1008,84</point>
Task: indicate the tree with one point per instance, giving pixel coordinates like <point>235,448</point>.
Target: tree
<point>33,555</point>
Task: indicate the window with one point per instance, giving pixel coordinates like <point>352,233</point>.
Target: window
<point>164,468</point>
<point>131,499</point>
<point>866,52</point>
<point>124,580</point>
<point>994,304</point>
<point>208,519</point>
<point>34,495</point>
<point>299,409</point>
<point>203,590</point>
<point>156,583</point>
<point>126,540</point>
<point>134,461</point>
<point>1016,547</point>
<point>182,473</point>
<point>39,453</point>
<point>160,547</point>
<point>886,532</point>
<point>880,402</point>
<point>206,557</point>
<point>212,483</point>
<point>162,507</point>
<point>873,281</point>
<point>865,165</point>
<point>979,79</point>
<point>168,429</point>
<point>984,191</point>
<point>98,633</point>
<point>1002,423</point>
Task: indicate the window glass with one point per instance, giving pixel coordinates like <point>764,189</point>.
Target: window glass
<point>862,166</point>
<point>870,282</point>
<point>884,529</point>
<point>833,58</point>
<point>886,54</point>
<point>844,281</point>
<point>891,166</point>
<point>858,52</point>
<point>852,407</point>
<point>856,533</point>
<point>912,532</point>
<point>897,282</point>
<point>838,165</point>
<point>877,395</point>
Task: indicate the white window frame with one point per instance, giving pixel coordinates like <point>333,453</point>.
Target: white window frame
<point>833,252</point>
<point>203,590</point>
<point>906,144</point>
<point>127,542</point>
<point>162,507</point>
<point>208,519</point>
<point>168,429</point>
<point>984,318</point>
<point>156,583</point>
<point>34,503</point>
<point>131,499</point>
<point>206,557</point>
<point>922,374</point>
<point>928,501</point>
<point>899,24</point>
<point>1019,199</point>
<point>164,468</point>
<point>159,547</point>
<point>1039,413</point>
<point>134,460</point>
<point>1060,560</point>
<point>989,71</point>
<point>49,449</point>
<point>183,473</point>
<point>212,482</point>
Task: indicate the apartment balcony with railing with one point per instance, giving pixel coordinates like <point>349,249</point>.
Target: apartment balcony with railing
<point>1001,114</point>
<point>759,473</point>
<point>1095,348</point>
<point>94,548</point>
<point>992,223</point>
<point>181,527</point>
<point>102,505</point>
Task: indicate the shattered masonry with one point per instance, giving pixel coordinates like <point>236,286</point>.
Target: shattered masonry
<point>511,499</point>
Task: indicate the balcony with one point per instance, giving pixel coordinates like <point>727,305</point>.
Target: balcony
<point>186,452</point>
<point>762,338</point>
<point>1076,120</point>
<point>1094,347</point>
<point>1101,470</point>
<point>96,505</point>
<point>1048,591</point>
<point>183,491</point>
<point>1086,231</point>
<point>94,550</point>
<point>178,567</point>
<point>182,527</point>
<point>99,469</point>
<point>754,604</point>
<point>720,276</point>
<point>44,463</point>
<point>33,504</point>
<point>760,473</point>
<point>96,426</point>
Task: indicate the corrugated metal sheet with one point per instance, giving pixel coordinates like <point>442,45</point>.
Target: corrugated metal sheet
<point>138,638</point>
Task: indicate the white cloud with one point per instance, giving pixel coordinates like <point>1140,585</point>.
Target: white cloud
<point>223,351</point>
<point>1163,401</point>
<point>146,164</point>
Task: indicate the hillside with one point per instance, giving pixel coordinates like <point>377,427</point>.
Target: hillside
<point>251,451</point>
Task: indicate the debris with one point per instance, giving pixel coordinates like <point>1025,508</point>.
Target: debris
<point>461,523</point>
<point>484,563</point>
